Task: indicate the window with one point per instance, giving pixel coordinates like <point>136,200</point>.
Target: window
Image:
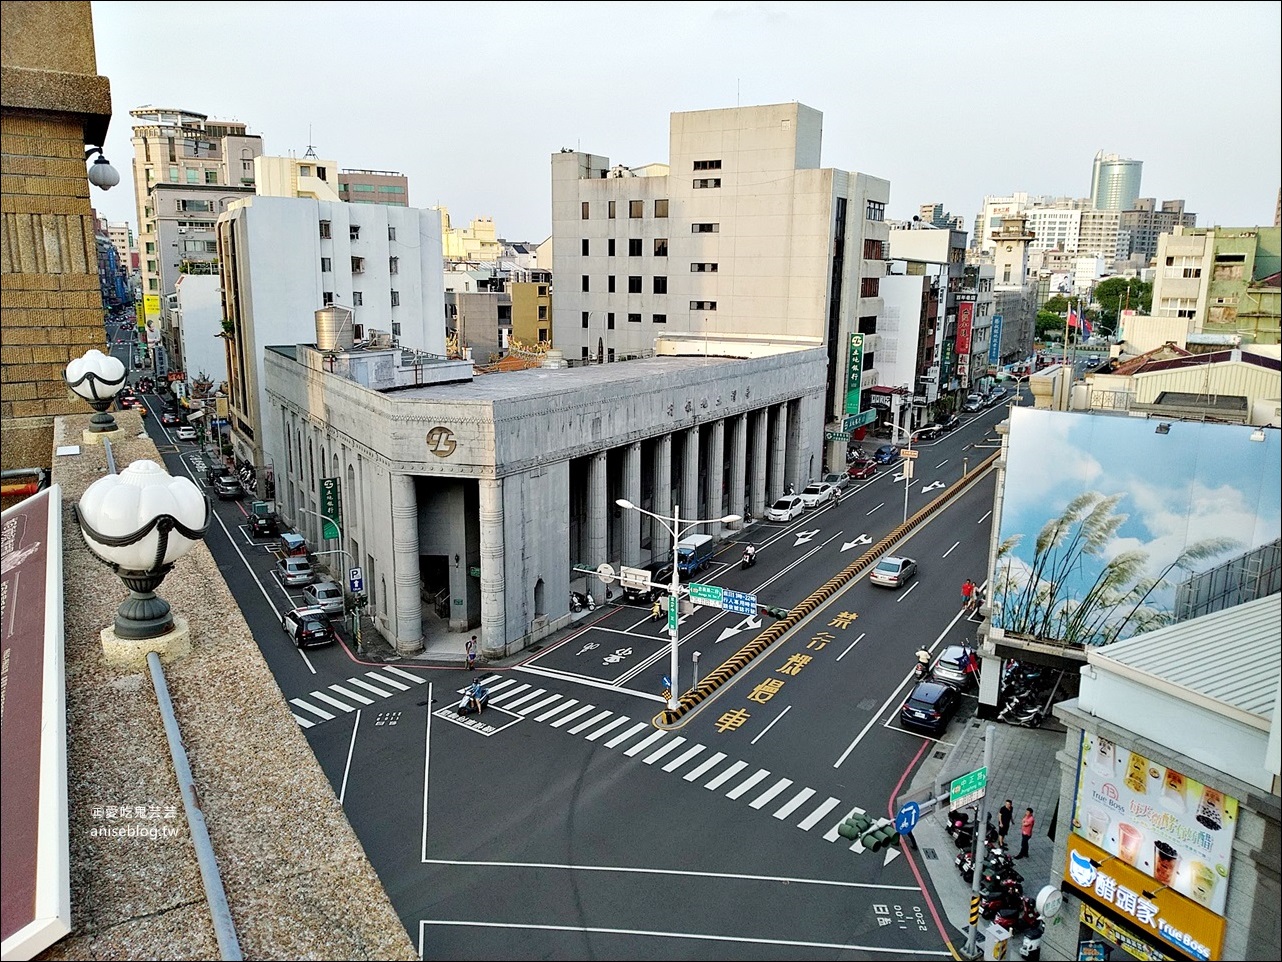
<point>1178,307</point>
<point>173,175</point>
<point>586,359</point>
<point>324,230</point>
<point>703,268</point>
<point>868,325</point>
<point>700,183</point>
<point>873,250</point>
<point>609,355</point>
<point>875,210</point>
<point>636,208</point>
<point>543,334</point>
<point>661,285</point>
<point>634,285</point>
<point>1006,275</point>
<point>391,233</point>
<point>193,176</point>
<point>153,284</point>
<point>393,265</point>
<point>661,208</point>
<point>609,321</point>
<point>705,228</point>
<point>358,265</point>
<point>583,247</point>
<point>634,318</point>
<point>585,326</point>
<point>610,210</point>
<point>203,205</point>
<point>543,290</point>
<point>869,287</point>
<point>211,177</point>
<point>610,247</point>
<point>543,312</point>
<point>659,318</point>
<point>707,165</point>
<point>396,328</point>
<point>660,247</point>
<point>585,282</point>
<point>1184,267</point>
<point>304,170</point>
<point>609,284</point>
<point>634,247</point>
<point>354,232</point>
<point>246,166</point>
<point>327,265</point>
<point>151,267</point>
<point>703,305</point>
<point>358,299</point>
<point>584,209</point>
<point>327,298</point>
<point>396,298</point>
<point>151,247</point>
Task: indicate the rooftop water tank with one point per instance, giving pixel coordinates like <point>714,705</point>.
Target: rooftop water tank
<point>334,328</point>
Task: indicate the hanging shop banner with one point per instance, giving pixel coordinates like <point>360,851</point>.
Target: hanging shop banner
<point>1157,820</point>
<point>1155,913</point>
<point>995,341</point>
<point>965,320</point>
<point>854,373</point>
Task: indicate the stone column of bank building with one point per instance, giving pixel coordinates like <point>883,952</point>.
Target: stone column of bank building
<point>631,552</point>
<point>690,475</point>
<point>660,540</point>
<point>796,472</point>
<point>778,444</point>
<point>408,602</point>
<point>760,437</point>
<point>738,443</point>
<point>597,517</point>
<point>493,570</point>
<point>712,482</point>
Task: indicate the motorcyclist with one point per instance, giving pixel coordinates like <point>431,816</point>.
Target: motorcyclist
<point>475,697</point>
<point>656,610</point>
<point>749,554</point>
<point>923,663</point>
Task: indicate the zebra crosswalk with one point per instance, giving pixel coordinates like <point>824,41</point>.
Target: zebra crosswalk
<point>350,694</point>
<point>761,789</point>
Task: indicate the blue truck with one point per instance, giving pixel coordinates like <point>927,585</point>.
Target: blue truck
<point>694,553</point>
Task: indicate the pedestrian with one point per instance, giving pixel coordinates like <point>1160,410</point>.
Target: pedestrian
<point>471,653</point>
<point>1025,833</point>
<point>1004,816</point>
<point>967,592</point>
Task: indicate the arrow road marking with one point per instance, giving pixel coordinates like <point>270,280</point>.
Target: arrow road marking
<point>899,477</point>
<point>932,487</point>
<point>862,539</point>
<point>752,621</point>
<point>804,536</point>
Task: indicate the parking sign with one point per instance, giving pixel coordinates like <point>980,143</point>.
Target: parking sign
<point>355,580</point>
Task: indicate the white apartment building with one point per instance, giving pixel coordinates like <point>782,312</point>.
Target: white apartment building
<point>121,236</point>
<point>306,176</point>
<point>198,310</point>
<point>742,237</point>
<point>283,258</point>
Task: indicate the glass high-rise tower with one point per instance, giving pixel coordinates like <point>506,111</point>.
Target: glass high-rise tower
<point>1115,182</point>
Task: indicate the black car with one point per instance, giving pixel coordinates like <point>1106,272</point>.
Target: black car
<point>930,707</point>
<point>264,525</point>
<point>215,471</point>
<point>949,422</point>
<point>228,487</point>
<point>927,432</point>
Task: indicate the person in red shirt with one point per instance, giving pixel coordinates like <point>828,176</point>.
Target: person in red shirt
<point>1025,833</point>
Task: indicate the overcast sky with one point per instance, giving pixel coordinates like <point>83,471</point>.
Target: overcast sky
<point>948,101</point>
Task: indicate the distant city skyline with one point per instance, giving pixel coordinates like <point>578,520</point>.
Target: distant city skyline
<point>472,109</point>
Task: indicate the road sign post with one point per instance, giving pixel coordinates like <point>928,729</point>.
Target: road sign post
<point>967,788</point>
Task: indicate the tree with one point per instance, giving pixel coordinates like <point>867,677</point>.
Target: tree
<point>1116,294</point>
<point>1058,304</point>
<point>1050,326</point>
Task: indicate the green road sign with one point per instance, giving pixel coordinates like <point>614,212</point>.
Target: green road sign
<point>706,594</point>
<point>331,507</point>
<point>672,613</point>
<point>968,788</point>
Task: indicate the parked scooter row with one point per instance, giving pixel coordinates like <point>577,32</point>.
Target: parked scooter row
<point>579,601</point>
<point>1026,708</point>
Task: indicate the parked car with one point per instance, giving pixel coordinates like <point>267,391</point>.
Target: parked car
<point>295,572</point>
<point>308,626</point>
<point>818,493</point>
<point>228,487</point>
<point>861,468</point>
<point>660,573</point>
<point>927,432</point>
<point>326,595</point>
<point>893,572</point>
<point>186,432</point>
<point>214,471</point>
<point>972,403</point>
<point>839,481</point>
<point>264,525</point>
<point>786,508</point>
<point>170,419</point>
<point>956,665</point>
<point>886,454</point>
<point>930,706</point>
<point>948,422</point>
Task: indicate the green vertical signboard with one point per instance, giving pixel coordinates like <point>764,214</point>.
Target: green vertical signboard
<point>854,373</point>
<point>331,508</point>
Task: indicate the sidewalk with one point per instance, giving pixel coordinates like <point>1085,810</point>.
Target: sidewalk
<point>1023,769</point>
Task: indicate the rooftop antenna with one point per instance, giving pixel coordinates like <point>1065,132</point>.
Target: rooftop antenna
<point>311,151</point>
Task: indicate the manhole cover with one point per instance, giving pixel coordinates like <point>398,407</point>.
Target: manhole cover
<point>940,754</point>
<point>930,853</point>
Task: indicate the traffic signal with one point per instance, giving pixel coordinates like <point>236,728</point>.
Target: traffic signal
<point>779,613</point>
<point>855,826</point>
<point>880,835</point>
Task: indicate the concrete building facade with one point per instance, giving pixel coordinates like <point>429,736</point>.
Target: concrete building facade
<point>501,490</point>
<point>948,341</point>
<point>741,235</point>
<point>1143,224</point>
<point>360,186</point>
<point>283,258</point>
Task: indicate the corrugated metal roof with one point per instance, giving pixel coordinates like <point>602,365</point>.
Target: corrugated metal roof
<point>1233,656</point>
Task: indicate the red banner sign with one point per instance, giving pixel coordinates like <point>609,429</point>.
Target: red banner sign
<point>965,318</point>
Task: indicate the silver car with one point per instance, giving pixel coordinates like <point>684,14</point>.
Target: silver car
<point>295,571</point>
<point>326,595</point>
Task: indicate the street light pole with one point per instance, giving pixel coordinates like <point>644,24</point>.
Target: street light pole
<point>675,531</point>
<point>908,464</point>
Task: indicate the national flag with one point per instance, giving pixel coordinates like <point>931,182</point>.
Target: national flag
<point>1082,322</point>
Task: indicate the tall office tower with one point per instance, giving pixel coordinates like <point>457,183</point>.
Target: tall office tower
<point>1115,182</point>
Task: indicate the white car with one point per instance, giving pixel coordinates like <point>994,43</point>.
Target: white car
<point>786,508</point>
<point>818,493</point>
<point>186,433</point>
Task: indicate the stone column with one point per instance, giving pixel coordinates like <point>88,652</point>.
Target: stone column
<point>660,540</point>
<point>795,470</point>
<point>493,570</point>
<point>597,508</point>
<point>738,463</point>
<point>631,553</point>
<point>405,580</point>
<point>778,440</point>
<point>760,435</point>
<point>690,475</point>
<point>713,480</point>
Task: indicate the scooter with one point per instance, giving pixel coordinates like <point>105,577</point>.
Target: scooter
<point>749,557</point>
<point>475,699</point>
<point>579,601</point>
<point>656,610</point>
<point>1021,917</point>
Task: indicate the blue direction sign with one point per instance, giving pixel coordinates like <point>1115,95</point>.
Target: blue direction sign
<point>355,580</point>
<point>738,602</point>
<point>907,817</point>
